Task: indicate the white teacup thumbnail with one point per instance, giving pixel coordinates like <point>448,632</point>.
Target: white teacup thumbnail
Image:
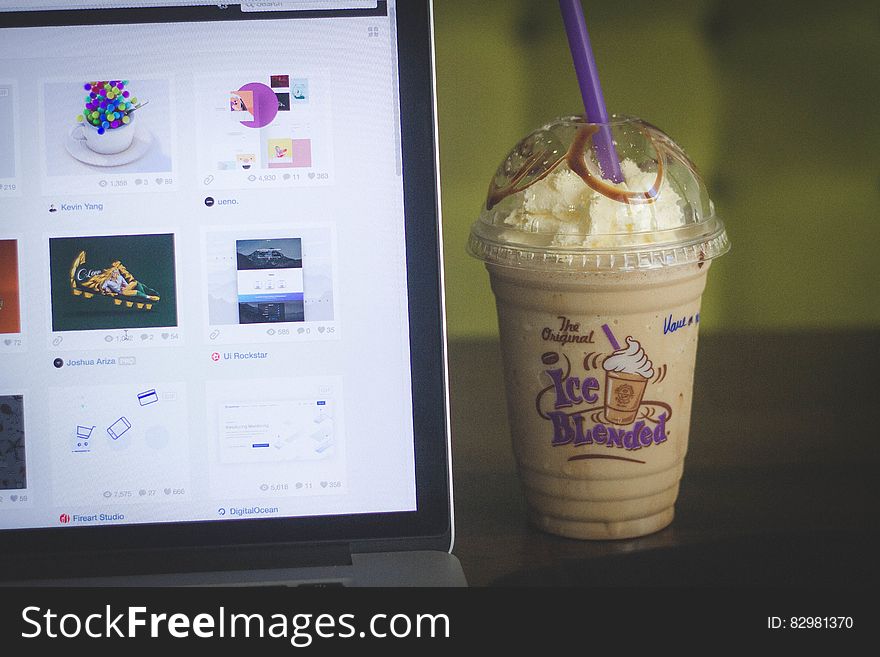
<point>108,142</point>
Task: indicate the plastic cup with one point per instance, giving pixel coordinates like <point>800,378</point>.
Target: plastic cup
<point>598,288</point>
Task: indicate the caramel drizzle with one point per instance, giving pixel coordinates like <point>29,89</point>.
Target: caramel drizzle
<point>497,194</point>
<point>666,144</point>
<point>576,159</point>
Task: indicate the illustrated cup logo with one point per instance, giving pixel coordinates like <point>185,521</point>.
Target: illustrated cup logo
<point>627,372</point>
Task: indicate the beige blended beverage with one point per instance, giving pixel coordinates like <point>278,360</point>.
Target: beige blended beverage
<point>598,288</point>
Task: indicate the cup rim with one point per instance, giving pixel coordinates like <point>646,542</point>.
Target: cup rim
<point>693,244</point>
<point>95,127</point>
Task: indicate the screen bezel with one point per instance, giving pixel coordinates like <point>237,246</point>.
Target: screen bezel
<point>430,524</point>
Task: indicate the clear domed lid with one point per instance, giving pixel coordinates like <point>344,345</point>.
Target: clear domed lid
<point>551,205</point>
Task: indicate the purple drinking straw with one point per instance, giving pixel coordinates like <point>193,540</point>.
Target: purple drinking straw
<point>608,334</point>
<point>591,90</point>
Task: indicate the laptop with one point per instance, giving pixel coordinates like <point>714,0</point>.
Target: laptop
<point>222,324</point>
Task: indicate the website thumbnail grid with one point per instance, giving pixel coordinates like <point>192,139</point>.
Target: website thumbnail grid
<point>202,283</point>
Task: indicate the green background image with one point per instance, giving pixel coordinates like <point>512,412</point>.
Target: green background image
<point>149,258</point>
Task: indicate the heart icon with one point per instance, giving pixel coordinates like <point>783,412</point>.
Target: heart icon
<point>320,329</point>
<point>164,336</point>
<point>300,330</point>
<point>158,181</point>
<point>323,484</point>
<point>14,498</point>
<point>167,491</point>
<point>311,175</point>
<point>7,342</point>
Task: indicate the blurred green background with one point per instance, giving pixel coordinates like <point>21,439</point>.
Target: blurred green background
<point>776,102</point>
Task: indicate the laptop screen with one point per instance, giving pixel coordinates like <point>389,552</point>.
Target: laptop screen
<point>203,264</point>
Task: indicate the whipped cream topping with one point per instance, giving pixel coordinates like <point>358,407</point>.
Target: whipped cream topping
<point>564,206</point>
<point>632,359</point>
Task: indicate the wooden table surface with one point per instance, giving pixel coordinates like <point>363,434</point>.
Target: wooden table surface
<point>780,484</point>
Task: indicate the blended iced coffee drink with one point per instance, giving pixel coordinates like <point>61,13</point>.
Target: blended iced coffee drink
<point>598,286</point>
